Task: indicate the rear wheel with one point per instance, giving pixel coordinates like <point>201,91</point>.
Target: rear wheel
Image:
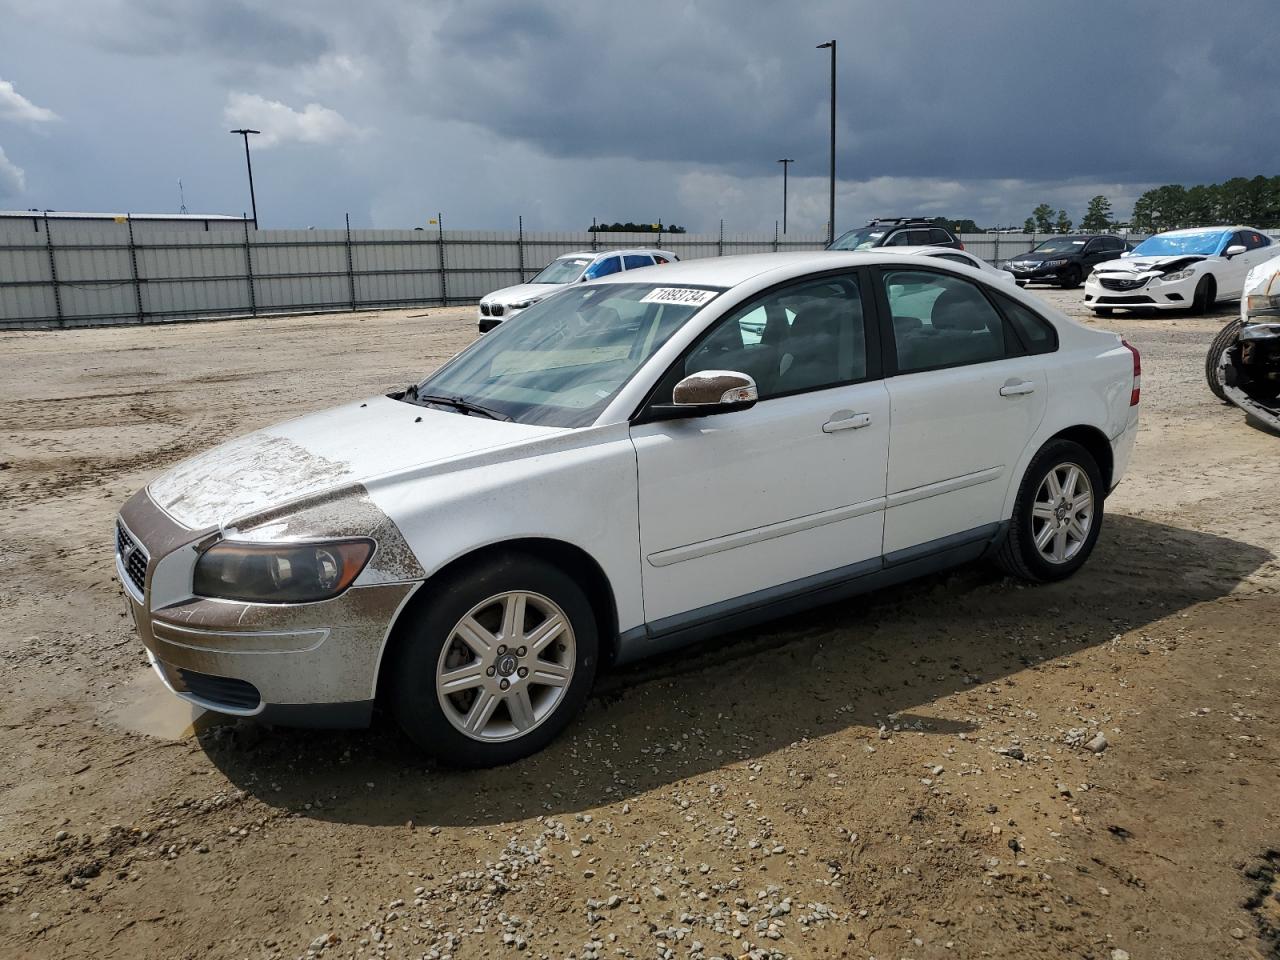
<point>1057,515</point>
<point>498,665</point>
<point>1205,297</point>
<point>1213,359</point>
<point>1071,279</point>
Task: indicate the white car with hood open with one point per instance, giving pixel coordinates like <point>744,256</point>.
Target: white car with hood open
<point>625,467</point>
<point>1190,269</point>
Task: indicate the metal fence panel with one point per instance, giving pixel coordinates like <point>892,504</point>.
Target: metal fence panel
<point>76,274</point>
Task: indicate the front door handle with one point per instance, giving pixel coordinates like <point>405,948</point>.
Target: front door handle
<point>846,420</point>
<point>1017,388</point>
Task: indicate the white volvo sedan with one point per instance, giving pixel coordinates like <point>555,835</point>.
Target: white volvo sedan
<point>635,463</point>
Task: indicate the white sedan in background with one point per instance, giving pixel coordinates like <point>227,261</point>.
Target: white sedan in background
<point>568,268</point>
<point>625,467</point>
<point>1189,269</point>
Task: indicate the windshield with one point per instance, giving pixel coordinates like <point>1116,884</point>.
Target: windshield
<point>1060,245</point>
<point>1206,244</point>
<point>564,270</point>
<point>863,239</point>
<point>561,361</point>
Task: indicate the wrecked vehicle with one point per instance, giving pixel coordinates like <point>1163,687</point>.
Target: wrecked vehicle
<point>628,466</point>
<point>1191,270</point>
<point>1243,363</point>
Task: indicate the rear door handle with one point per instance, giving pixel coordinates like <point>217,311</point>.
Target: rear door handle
<point>1017,388</point>
<point>846,420</point>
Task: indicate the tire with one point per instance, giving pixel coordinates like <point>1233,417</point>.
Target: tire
<point>488,596</point>
<point>1019,555</point>
<point>1071,279</point>
<point>1225,338</point>
<point>1206,296</point>
<point>1103,311</point>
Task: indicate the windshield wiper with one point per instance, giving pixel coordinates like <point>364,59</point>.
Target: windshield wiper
<point>458,403</point>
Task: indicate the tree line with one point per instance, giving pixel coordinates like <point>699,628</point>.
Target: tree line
<point>1255,202</point>
<point>1097,219</point>
<point>630,227</point>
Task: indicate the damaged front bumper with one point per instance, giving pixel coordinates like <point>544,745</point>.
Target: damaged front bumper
<point>1250,370</point>
<point>306,664</point>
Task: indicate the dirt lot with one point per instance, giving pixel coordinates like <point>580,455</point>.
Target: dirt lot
<point>900,776</point>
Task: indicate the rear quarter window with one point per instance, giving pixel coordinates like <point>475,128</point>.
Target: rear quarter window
<point>1036,333</point>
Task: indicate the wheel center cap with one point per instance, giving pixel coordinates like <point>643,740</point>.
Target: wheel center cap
<point>507,664</point>
<point>1061,512</point>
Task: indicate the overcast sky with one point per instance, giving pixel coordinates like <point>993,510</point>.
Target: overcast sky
<point>487,109</point>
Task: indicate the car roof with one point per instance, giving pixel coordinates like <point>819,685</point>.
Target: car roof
<point>593,254</point>
<point>929,250</point>
<point>1190,231</point>
<point>731,271</point>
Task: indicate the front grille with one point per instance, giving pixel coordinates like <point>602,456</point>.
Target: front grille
<point>133,556</point>
<point>484,310</point>
<point>1120,283</point>
<point>221,691</point>
<point>497,309</point>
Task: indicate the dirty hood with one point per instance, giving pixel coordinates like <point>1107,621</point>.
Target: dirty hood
<point>299,458</point>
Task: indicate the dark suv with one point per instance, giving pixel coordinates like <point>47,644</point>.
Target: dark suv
<point>898,232</point>
<point>1065,261</point>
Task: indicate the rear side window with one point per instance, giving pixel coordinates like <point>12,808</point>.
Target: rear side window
<point>660,259</point>
<point>939,237</point>
<point>1036,333</point>
<point>635,261</point>
<point>941,321</point>
<point>603,268</point>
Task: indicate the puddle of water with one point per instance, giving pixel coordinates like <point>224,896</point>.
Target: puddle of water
<point>144,705</point>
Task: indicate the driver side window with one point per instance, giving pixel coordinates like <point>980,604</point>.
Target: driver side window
<point>805,337</point>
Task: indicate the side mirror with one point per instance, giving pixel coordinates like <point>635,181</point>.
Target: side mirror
<point>706,393</point>
<point>1234,250</point>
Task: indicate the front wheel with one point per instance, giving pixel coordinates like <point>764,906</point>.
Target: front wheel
<point>497,665</point>
<point>1057,515</point>
<point>1102,311</point>
<point>1213,359</point>
<point>1205,297</point>
<point>1071,279</point>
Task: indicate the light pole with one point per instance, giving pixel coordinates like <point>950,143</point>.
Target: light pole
<point>831,212</point>
<point>786,162</point>
<point>253,201</point>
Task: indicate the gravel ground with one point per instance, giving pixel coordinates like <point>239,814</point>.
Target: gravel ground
<point>962,767</point>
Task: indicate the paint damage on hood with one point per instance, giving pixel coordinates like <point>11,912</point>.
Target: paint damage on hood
<point>321,452</point>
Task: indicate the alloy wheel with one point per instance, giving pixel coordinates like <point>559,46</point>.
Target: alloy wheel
<point>1062,513</point>
<point>505,666</point>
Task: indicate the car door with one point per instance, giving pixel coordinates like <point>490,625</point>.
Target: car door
<point>741,507</point>
<point>966,396</point>
<point>1258,249</point>
<point>1096,251</point>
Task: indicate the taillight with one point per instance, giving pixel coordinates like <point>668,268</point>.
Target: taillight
<point>1136,393</point>
<point>961,242</point>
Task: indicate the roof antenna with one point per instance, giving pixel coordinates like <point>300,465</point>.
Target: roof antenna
<point>182,200</point>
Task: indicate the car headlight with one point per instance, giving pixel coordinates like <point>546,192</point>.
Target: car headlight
<point>1266,303</point>
<point>279,572</point>
<point>1263,305</point>
<point>1178,275</point>
<point>522,304</point>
